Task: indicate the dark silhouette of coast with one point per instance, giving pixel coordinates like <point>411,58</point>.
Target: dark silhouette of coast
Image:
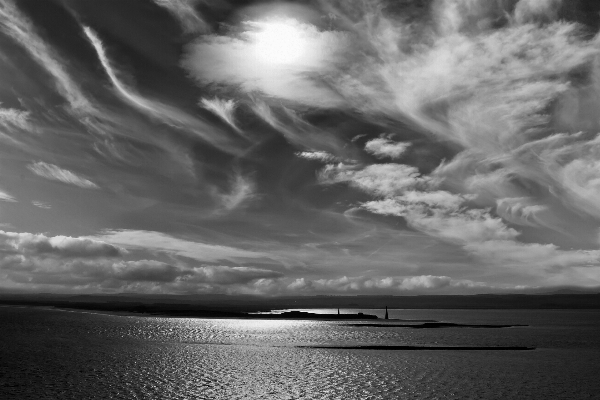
<point>435,325</point>
<point>377,347</point>
<point>183,310</point>
<point>225,306</point>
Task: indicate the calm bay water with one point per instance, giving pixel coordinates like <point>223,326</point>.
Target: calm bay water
<point>54,354</point>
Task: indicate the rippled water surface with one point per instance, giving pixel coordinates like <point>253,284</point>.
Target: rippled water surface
<point>53,354</point>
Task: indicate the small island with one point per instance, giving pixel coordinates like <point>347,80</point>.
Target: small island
<point>315,316</point>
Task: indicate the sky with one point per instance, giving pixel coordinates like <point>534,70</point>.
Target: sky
<point>299,148</point>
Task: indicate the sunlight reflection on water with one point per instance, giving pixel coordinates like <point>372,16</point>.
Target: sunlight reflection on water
<point>47,354</point>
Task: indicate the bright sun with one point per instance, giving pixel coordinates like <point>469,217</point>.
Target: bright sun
<point>279,42</point>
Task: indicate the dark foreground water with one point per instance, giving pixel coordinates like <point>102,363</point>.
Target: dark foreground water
<point>53,354</point>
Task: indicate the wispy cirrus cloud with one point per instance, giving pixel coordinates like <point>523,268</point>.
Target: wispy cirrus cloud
<point>242,190</point>
<point>15,118</point>
<point>157,241</point>
<point>168,114</point>
<point>55,173</point>
<point>40,204</point>
<point>184,10</point>
<point>223,108</point>
<point>520,211</point>
<point>7,197</point>
<point>487,179</point>
<point>322,156</point>
<point>21,29</point>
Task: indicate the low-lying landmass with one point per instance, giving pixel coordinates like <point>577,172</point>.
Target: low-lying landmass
<point>225,306</point>
<point>188,311</point>
<point>434,325</point>
<point>383,347</point>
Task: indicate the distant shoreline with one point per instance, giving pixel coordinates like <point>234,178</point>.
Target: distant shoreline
<point>197,313</point>
<point>404,348</point>
<point>234,305</point>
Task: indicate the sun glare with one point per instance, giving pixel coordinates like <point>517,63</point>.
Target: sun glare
<point>279,42</point>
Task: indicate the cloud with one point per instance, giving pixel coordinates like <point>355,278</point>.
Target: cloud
<point>40,204</point>
<point>455,16</point>
<point>59,246</point>
<point>55,173</point>
<point>581,178</point>
<point>382,148</point>
<point>104,275</point>
<point>90,275</point>
<point>223,108</point>
<point>520,211</point>
<point>185,12</point>
<point>296,130</point>
<point>462,226</point>
<point>7,197</point>
<point>21,29</point>
<point>379,179</point>
<point>145,271</point>
<point>11,117</point>
<point>322,156</point>
<point>527,11</point>
<point>419,284</point>
<point>225,275</point>
<point>241,192</point>
<point>480,78</point>
<point>242,61</point>
<point>160,242</point>
<point>87,264</point>
<point>165,113</point>
<point>524,254</point>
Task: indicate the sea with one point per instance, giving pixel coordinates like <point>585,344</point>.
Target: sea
<point>48,353</point>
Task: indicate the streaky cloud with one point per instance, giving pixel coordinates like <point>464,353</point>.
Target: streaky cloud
<point>55,173</point>
<point>40,204</point>
<point>322,156</point>
<point>520,211</point>
<point>223,108</point>
<point>21,29</point>
<point>7,197</point>
<point>296,130</point>
<point>11,117</point>
<point>163,112</point>
<point>226,275</point>
<point>157,241</point>
<point>191,21</point>
<point>242,190</point>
